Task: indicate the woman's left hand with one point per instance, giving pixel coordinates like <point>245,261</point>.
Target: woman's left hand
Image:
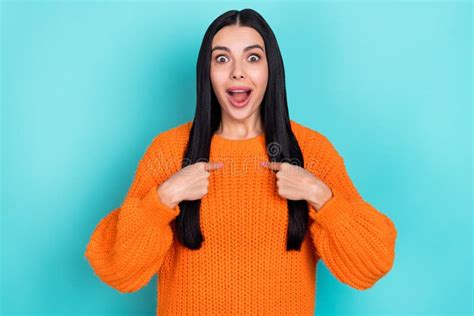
<point>296,183</point>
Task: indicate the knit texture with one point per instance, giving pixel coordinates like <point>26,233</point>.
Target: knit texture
<point>243,266</point>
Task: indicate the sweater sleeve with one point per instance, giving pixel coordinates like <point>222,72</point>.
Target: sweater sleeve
<point>129,244</point>
<point>355,241</point>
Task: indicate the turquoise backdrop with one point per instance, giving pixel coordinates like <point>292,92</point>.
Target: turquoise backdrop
<point>86,85</point>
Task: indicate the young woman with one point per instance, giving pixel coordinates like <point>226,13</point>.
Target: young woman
<point>234,209</point>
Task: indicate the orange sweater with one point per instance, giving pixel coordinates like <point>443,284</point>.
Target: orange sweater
<point>243,266</point>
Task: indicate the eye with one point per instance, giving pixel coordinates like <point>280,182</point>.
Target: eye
<point>258,57</point>
<point>217,58</point>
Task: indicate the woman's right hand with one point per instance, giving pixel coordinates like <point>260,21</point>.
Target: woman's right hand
<point>189,183</point>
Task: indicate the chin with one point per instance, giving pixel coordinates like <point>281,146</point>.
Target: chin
<point>240,114</point>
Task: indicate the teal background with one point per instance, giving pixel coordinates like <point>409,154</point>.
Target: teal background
<point>86,85</point>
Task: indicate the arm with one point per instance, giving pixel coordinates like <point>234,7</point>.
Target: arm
<point>129,245</point>
<point>354,240</point>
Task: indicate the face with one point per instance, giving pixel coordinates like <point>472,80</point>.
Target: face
<point>238,62</point>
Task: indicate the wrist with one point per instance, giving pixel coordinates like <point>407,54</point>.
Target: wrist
<point>319,196</point>
<point>166,196</point>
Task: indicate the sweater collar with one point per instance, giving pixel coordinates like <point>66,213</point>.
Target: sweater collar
<point>250,145</point>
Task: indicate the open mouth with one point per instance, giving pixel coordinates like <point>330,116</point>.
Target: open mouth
<point>239,97</point>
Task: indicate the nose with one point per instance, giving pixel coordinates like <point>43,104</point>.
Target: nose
<point>237,72</point>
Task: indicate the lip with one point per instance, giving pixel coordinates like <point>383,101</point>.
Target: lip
<point>233,88</point>
<point>241,104</point>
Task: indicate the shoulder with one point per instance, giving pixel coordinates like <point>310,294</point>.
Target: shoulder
<point>166,149</point>
<point>178,133</point>
<point>173,139</point>
<point>310,138</point>
<point>317,148</point>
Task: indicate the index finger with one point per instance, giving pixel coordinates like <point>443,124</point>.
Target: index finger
<point>213,165</point>
<point>274,165</point>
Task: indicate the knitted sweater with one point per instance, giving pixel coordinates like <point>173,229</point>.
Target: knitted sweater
<point>243,266</point>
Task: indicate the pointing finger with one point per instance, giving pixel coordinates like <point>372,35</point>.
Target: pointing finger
<point>271,165</point>
<point>213,165</point>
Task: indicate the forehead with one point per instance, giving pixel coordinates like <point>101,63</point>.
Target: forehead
<point>237,37</point>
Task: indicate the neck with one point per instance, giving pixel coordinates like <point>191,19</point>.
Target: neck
<point>240,129</point>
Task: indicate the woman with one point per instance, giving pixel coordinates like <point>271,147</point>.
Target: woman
<point>234,209</point>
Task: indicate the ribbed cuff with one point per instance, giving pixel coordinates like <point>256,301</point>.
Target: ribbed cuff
<point>156,209</point>
<point>335,212</point>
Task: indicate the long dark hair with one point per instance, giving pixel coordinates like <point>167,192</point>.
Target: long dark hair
<point>275,122</point>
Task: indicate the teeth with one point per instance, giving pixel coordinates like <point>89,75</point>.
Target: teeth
<point>238,91</point>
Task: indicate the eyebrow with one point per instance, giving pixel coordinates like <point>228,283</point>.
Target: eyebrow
<point>245,49</point>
